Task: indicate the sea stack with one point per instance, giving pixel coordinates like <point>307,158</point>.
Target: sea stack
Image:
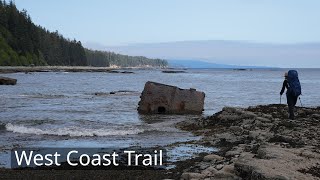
<point>159,98</point>
<point>7,81</point>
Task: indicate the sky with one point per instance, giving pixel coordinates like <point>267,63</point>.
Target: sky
<point>123,22</point>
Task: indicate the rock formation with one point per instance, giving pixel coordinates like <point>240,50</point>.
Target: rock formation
<point>258,143</point>
<point>166,99</point>
<point>7,81</point>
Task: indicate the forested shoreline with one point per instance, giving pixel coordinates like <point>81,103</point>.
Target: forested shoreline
<point>107,59</point>
<point>22,43</point>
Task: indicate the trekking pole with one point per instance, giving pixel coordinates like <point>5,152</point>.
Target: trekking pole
<point>300,101</point>
<point>280,99</point>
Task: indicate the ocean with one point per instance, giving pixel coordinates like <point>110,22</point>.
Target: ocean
<point>61,109</point>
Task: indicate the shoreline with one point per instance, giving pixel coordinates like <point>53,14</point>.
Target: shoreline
<point>29,69</point>
<point>257,142</point>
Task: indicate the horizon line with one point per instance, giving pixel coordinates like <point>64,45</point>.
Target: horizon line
<point>210,40</point>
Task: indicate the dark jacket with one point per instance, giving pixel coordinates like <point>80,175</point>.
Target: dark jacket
<point>284,85</point>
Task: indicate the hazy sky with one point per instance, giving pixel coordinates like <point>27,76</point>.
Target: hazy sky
<point>121,22</point>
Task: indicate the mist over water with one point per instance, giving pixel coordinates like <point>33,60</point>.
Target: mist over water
<point>58,109</point>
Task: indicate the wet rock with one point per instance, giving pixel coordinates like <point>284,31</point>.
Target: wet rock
<point>227,172</point>
<point>227,117</point>
<point>127,72</point>
<point>226,176</point>
<point>232,153</point>
<point>260,135</point>
<point>204,166</point>
<point>219,166</point>
<point>263,120</point>
<point>123,92</point>
<point>249,122</point>
<point>210,171</point>
<point>188,175</point>
<point>213,157</point>
<point>168,71</point>
<point>229,109</point>
<point>101,94</point>
<point>316,116</point>
<point>294,142</point>
<point>120,92</point>
<point>166,99</point>
<point>254,134</point>
<point>233,160</point>
<point>309,154</point>
<point>112,71</point>
<point>261,143</point>
<point>229,138</point>
<point>236,129</point>
<point>228,169</point>
<point>240,112</point>
<point>7,81</point>
<point>273,162</point>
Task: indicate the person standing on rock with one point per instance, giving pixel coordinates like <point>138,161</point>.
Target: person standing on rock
<point>292,83</point>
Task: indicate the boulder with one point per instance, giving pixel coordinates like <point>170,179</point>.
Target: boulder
<point>7,81</point>
<point>159,98</point>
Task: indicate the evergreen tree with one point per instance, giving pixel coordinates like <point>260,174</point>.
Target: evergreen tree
<point>33,44</point>
<point>24,43</point>
<point>104,59</point>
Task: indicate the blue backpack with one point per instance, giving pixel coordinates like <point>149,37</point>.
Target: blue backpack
<point>294,83</point>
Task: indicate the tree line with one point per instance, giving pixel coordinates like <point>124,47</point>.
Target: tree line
<point>103,58</point>
<point>23,43</point>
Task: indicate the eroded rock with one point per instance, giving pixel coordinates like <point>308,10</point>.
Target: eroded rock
<point>166,99</point>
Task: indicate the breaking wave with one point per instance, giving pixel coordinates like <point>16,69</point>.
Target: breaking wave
<point>70,131</point>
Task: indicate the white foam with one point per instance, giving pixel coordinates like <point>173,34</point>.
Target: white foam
<point>70,131</point>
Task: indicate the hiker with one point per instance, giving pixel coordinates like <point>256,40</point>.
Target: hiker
<point>292,83</point>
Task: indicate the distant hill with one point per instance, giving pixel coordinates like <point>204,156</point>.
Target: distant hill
<point>241,53</point>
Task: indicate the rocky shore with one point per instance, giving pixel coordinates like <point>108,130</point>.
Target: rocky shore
<point>254,143</point>
<point>258,143</point>
<point>30,69</point>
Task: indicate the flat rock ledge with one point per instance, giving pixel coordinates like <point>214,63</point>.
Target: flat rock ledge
<point>258,143</point>
<point>7,81</point>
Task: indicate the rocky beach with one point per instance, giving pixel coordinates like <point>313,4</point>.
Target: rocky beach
<point>254,143</point>
<point>258,143</point>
